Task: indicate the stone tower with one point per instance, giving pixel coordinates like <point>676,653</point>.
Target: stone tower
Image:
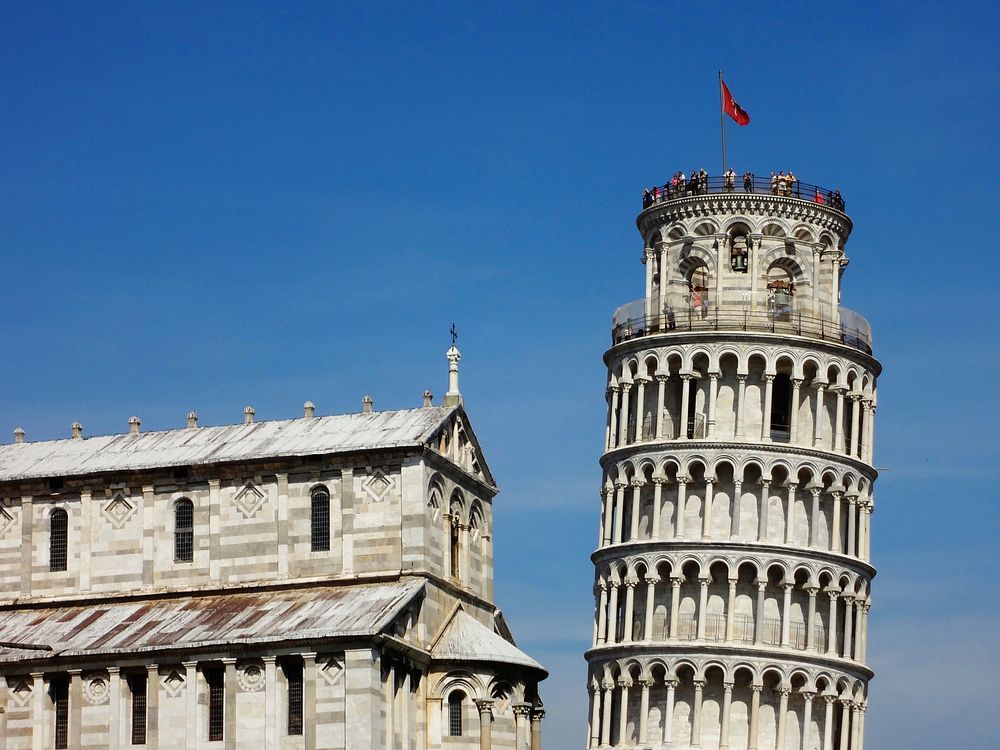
<point>733,573</point>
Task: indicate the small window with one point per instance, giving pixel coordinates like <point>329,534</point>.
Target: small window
<point>320,520</point>
<point>455,701</point>
<point>293,674</point>
<point>59,693</point>
<point>455,546</point>
<point>184,531</point>
<point>137,686</point>
<point>58,523</point>
<point>216,703</point>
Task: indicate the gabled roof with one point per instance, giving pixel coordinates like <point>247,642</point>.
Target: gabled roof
<point>198,622</point>
<point>304,436</point>
<point>464,638</point>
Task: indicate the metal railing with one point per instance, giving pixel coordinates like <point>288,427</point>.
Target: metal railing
<point>675,189</point>
<point>801,318</point>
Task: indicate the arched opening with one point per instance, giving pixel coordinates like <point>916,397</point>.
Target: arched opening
<point>320,519</point>
<point>184,530</point>
<point>58,532</point>
<point>455,724</point>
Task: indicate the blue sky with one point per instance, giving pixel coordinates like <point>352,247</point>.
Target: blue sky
<point>204,206</point>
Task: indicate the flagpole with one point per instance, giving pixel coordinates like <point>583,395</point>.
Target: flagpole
<point>722,122</point>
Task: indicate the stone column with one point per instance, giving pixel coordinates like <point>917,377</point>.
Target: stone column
<point>848,618</point>
<point>866,412</point>
<point>871,460</point>
<point>740,403</point>
<point>831,634</point>
<point>390,706</point>
<point>807,719</point>
<point>855,726</point>
<point>623,686</point>
<point>786,611</point>
<point>229,703</point>
<point>855,424</point>
<point>734,522</point>
<point>595,715</point>
<point>754,716</point>
<point>765,498</point>
<point>602,615</point>
<point>613,420</point>
<point>613,613</point>
<point>702,605</point>
<point>727,703</point>
<point>852,524</point>
<point>619,512</point>
<point>609,514</point>
<point>866,517</point>
<point>765,430</point>
<point>685,406</point>
<point>793,417</point>
<point>536,729</point>
<point>731,610</point>
<point>83,561</point>
<point>486,724</point>
<point>789,516</point>
<point>75,708</point>
<point>658,483</point>
<point>38,717</point>
<point>864,632</point>
<point>699,687</point>
<point>630,584</point>
<point>782,716</point>
<point>152,706</point>
<point>214,529</point>
<point>649,260</point>
<point>828,722</point>
<point>836,544</point>
<point>362,683</point>
<point>838,423</point>
<point>681,502</point>
<point>758,629</point>
<point>668,719</point>
<point>647,629</point>
<point>675,604</point>
<point>633,532</point>
<point>522,713</point>
<point>606,708</point>
<point>814,517</point>
<point>624,415</point>
<point>663,278</point>
<point>191,705</point>
<point>661,385</point>
<point>270,704</point>
<point>713,397</point>
<point>858,621</point>
<point>862,707</point>
<point>114,708</point>
<point>644,713</point>
<point>819,415</point>
<point>811,620</point>
<point>845,724</point>
<point>706,527</point>
<point>640,408</point>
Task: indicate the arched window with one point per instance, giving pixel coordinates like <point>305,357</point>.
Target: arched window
<point>184,531</point>
<point>320,523</point>
<point>58,525</point>
<point>455,701</point>
<point>455,543</point>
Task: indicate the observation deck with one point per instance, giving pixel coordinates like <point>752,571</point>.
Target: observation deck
<point>782,188</point>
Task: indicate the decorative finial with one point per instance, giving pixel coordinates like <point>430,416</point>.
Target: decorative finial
<point>192,419</point>
<point>248,415</point>
<point>366,404</point>
<point>428,398</point>
<point>453,397</point>
<point>18,434</point>
<point>133,425</point>
<point>309,409</point>
<point>76,430</point>
<point>454,334</point>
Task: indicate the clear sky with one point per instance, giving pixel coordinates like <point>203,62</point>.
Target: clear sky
<point>204,206</point>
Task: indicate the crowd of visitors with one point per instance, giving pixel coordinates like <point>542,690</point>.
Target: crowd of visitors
<point>699,183</point>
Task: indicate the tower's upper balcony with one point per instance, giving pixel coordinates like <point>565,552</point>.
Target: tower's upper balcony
<point>738,253</point>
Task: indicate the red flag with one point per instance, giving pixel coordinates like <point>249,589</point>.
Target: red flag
<point>733,109</point>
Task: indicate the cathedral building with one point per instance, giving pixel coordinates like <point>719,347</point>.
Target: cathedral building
<point>733,571</point>
<point>319,582</point>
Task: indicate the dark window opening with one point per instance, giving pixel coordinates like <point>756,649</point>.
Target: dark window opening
<point>57,483</point>
<point>59,693</point>
<point>216,703</point>
<point>184,531</point>
<point>320,521</point>
<point>454,548</point>
<point>293,674</point>
<point>137,686</point>
<point>455,713</point>
<point>58,527</point>
<point>781,403</point>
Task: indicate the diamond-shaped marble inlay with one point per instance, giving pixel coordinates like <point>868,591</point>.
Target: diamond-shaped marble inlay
<point>377,485</point>
<point>6,519</point>
<point>118,511</point>
<point>21,693</point>
<point>249,499</point>
<point>172,682</point>
<point>331,670</point>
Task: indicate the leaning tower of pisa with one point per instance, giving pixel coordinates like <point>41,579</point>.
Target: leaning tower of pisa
<point>732,571</point>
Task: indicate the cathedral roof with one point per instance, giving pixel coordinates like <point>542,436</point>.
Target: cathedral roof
<point>466,639</point>
<point>199,622</point>
<point>304,436</point>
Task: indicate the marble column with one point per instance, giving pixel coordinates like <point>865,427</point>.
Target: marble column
<point>845,724</point>
<point>790,514</point>
<point>668,720</point>
<point>152,706</point>
<point>819,415</point>
<point>271,721</point>
<point>831,633</point>
<point>706,528</point>
<point>731,610</point>
<point>807,718</point>
<point>613,420</point>
<point>191,705</point>
<point>661,385</point>
<point>647,628</point>
<point>765,430</point>
<point>602,615</point>
<point>786,613</point>
<point>699,688</point>
<point>537,715</point>
<point>640,409</point>
<point>814,517</point>
<point>811,620</point>
<point>115,708</point>
<point>836,543</point>
<point>855,425</point>
<point>758,630</point>
<point>828,722</point>
<point>644,713</point>
<point>613,614</point>
<point>633,533</point>
<point>734,521</point>
<point>595,715</point>
<point>702,605</point>
<point>606,720</point>
<point>486,724</point>
<point>623,417</point>
<point>675,604</point>
<point>765,501</point>
<point>522,714</point>
<point>619,512</point>
<point>681,502</point>
<point>740,404</point>
<point>838,421</point>
<point>852,525</point>
<point>713,398</point>
<point>685,406</point>
<point>782,716</point>
<point>630,585</point>
<point>848,619</point>
<point>754,717</point>
<point>658,483</point>
<point>727,703</point>
<point>793,417</point>
<point>609,514</point>
<point>623,686</point>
